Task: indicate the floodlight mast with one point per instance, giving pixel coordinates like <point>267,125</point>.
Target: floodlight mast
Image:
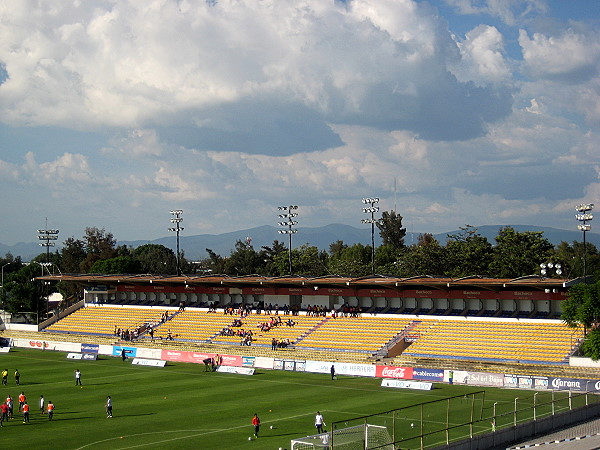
<point>288,223</point>
<point>371,209</point>
<point>584,217</point>
<point>177,228</point>
<point>48,236</point>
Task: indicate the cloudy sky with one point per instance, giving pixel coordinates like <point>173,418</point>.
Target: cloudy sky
<point>453,112</point>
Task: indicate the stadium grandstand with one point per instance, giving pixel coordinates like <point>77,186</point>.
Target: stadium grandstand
<point>442,322</point>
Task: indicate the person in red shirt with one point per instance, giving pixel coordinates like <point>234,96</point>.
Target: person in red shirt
<point>25,413</point>
<point>256,423</point>
<point>50,410</point>
<point>3,413</point>
<point>22,399</point>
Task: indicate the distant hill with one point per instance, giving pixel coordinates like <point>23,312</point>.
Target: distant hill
<point>222,244</point>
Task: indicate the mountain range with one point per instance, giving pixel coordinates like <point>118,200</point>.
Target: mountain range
<point>195,247</point>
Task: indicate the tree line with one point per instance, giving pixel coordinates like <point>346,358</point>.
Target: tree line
<point>467,253</point>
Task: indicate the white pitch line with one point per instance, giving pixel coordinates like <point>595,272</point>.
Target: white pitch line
<point>204,433</point>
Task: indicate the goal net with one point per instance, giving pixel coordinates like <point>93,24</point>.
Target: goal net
<point>359,437</point>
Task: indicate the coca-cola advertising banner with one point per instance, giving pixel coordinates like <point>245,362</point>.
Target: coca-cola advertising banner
<point>404,373</point>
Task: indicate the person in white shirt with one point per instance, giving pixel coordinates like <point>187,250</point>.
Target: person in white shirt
<point>319,422</point>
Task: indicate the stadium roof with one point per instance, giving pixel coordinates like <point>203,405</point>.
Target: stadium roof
<point>534,282</point>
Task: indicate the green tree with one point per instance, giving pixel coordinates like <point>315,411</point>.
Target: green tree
<point>352,261</point>
<point>426,257</point>
<point>156,258</point>
<point>120,264</point>
<point>581,308</point>
<point>23,293</point>
<point>215,263</point>
<point>519,253</point>
<point>243,260</point>
<point>390,229</point>
<point>307,260</point>
<point>73,254</point>
<point>99,244</point>
<point>337,247</point>
<point>386,259</point>
<point>268,254</point>
<point>467,253</point>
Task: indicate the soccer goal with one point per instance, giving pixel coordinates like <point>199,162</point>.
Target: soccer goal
<point>359,437</point>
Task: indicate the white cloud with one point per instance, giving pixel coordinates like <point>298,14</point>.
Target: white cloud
<point>136,65</point>
<point>571,56</point>
<point>482,57</point>
<point>510,12</point>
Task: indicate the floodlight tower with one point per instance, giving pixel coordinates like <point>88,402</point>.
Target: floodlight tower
<point>371,209</point>
<point>48,236</point>
<point>584,217</point>
<point>177,228</point>
<point>289,224</point>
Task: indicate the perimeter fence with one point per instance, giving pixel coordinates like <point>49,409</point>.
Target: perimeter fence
<point>440,422</point>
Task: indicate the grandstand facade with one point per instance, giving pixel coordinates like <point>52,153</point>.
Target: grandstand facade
<point>369,319</point>
<point>526,297</point>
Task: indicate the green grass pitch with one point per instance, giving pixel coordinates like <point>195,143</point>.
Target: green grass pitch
<point>182,406</point>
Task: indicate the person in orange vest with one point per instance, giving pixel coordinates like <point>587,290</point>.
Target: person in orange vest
<point>50,409</point>
<point>25,413</point>
<point>22,399</point>
<point>256,423</point>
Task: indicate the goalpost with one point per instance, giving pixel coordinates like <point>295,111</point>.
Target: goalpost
<point>359,437</point>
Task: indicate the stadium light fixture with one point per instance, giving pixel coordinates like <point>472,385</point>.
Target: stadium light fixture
<point>288,223</point>
<point>371,209</point>
<point>550,268</point>
<point>177,228</point>
<point>48,236</point>
<point>584,217</point>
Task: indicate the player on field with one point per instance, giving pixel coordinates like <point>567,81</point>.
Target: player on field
<point>3,413</point>
<point>25,413</point>
<point>319,422</point>
<point>22,400</point>
<point>108,407</point>
<point>256,423</point>
<point>50,410</point>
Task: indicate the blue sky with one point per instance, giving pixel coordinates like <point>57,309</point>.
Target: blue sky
<point>454,112</point>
